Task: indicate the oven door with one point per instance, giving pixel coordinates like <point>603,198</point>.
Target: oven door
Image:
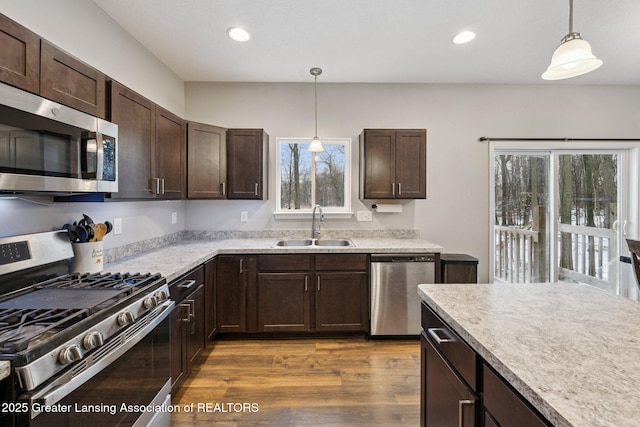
<point>132,389</point>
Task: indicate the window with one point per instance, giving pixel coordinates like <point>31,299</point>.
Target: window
<point>306,180</point>
<point>560,211</point>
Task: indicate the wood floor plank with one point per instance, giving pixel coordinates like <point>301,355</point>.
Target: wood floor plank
<point>305,382</point>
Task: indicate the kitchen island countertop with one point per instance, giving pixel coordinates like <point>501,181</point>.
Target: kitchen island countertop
<point>573,351</point>
<point>174,260</point>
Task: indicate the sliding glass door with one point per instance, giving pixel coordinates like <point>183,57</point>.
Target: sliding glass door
<point>557,215</point>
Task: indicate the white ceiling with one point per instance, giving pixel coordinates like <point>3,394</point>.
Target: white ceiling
<point>381,41</point>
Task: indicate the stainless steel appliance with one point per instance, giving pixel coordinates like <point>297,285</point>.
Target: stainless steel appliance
<point>48,147</point>
<point>84,349</point>
<point>395,304</point>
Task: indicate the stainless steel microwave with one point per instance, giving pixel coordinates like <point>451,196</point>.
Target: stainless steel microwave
<point>49,147</point>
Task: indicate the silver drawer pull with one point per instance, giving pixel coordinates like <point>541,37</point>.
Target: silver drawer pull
<point>187,284</point>
<point>461,405</point>
<point>440,340</point>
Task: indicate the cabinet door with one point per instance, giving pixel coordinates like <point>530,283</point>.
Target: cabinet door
<point>446,400</point>
<point>231,294</point>
<point>169,150</point>
<point>136,120</point>
<point>283,302</point>
<point>207,161</point>
<point>71,82</point>
<point>210,299</point>
<point>246,164</point>
<point>341,301</point>
<point>411,164</point>
<point>377,164</point>
<point>178,346</point>
<point>19,56</point>
<point>195,326</point>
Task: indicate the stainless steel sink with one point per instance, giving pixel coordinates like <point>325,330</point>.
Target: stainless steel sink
<point>294,242</point>
<point>313,242</point>
<point>333,242</point>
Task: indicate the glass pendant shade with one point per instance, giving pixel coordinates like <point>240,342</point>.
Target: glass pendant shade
<point>572,58</point>
<point>316,145</point>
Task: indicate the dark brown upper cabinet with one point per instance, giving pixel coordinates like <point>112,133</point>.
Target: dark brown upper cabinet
<point>393,164</point>
<point>206,161</point>
<point>71,82</point>
<point>35,65</point>
<point>150,147</point>
<point>19,56</point>
<point>247,158</point>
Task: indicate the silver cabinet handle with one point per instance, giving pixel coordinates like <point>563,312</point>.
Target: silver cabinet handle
<point>223,189</point>
<point>187,284</point>
<point>399,189</point>
<point>155,190</point>
<point>318,283</point>
<point>256,189</point>
<point>461,405</point>
<point>162,185</point>
<point>434,334</point>
<point>393,188</point>
<point>306,279</point>
<point>188,307</point>
<point>241,265</point>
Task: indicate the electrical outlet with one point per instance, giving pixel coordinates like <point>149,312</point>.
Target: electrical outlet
<point>174,217</point>
<point>364,216</point>
<point>117,226</point>
<point>244,216</point>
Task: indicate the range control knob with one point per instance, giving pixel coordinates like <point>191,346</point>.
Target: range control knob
<point>92,340</point>
<point>162,295</point>
<point>126,318</point>
<point>70,354</point>
<point>150,302</point>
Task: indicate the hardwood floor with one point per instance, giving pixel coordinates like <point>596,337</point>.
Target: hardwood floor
<point>306,382</point>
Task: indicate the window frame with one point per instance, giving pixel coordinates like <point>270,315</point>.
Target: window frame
<point>329,211</point>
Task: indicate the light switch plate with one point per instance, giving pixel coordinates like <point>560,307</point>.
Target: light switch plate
<point>244,216</point>
<point>117,226</point>
<point>363,216</point>
<point>174,217</point>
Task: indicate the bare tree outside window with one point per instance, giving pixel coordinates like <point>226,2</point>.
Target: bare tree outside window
<point>297,166</point>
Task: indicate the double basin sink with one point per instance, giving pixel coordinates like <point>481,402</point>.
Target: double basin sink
<point>313,242</point>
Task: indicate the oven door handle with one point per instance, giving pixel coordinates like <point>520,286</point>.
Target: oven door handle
<point>99,359</point>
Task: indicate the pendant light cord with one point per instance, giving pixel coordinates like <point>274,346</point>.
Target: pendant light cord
<point>315,100</point>
<point>570,16</point>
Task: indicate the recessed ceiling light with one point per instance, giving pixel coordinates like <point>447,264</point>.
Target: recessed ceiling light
<point>464,37</point>
<point>238,34</point>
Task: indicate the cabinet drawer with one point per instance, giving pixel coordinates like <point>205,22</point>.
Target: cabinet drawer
<point>284,262</point>
<point>505,405</point>
<point>457,352</point>
<point>186,284</point>
<point>341,262</point>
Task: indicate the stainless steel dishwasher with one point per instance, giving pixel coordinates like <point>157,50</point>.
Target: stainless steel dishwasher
<point>395,304</point>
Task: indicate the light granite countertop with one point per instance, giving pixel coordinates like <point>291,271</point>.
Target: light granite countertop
<point>572,350</point>
<point>5,369</point>
<point>174,260</point>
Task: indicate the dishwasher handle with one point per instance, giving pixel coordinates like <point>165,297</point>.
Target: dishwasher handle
<point>403,258</point>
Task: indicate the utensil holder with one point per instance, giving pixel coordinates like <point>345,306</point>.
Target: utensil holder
<point>87,257</point>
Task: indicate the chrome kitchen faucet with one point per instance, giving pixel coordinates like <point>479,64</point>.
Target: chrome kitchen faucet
<point>314,232</point>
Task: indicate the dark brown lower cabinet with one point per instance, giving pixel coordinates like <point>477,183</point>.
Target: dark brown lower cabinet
<point>342,301</point>
<point>283,302</point>
<point>235,284</point>
<point>187,324</point>
<point>447,399</point>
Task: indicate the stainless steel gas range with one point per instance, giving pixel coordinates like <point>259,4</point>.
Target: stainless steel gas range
<point>84,349</point>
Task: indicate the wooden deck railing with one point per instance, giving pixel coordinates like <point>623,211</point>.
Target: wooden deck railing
<point>518,255</point>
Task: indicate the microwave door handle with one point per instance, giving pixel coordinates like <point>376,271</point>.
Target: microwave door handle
<point>99,156</point>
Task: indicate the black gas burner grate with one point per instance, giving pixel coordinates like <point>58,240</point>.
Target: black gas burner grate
<point>21,327</point>
<point>123,281</point>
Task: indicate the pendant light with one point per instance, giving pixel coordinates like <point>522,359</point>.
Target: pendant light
<point>573,57</point>
<point>316,144</point>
